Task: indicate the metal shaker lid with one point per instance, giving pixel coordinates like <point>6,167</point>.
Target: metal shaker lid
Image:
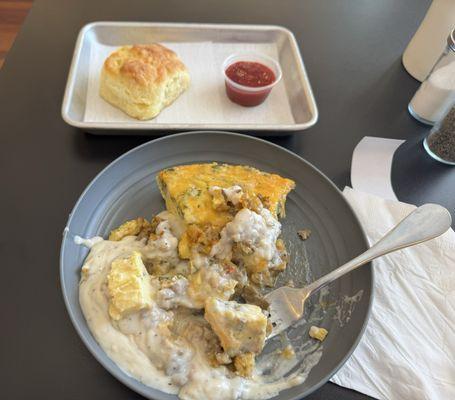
<point>451,40</point>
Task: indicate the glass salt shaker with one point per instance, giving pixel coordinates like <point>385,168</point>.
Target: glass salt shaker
<point>436,94</point>
<point>440,143</point>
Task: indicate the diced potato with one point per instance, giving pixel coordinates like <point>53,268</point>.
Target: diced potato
<point>241,328</point>
<point>197,238</point>
<point>318,333</point>
<point>128,285</point>
<point>244,364</point>
<point>185,247</point>
<point>129,228</point>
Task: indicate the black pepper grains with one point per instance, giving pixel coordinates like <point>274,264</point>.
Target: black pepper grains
<point>441,140</point>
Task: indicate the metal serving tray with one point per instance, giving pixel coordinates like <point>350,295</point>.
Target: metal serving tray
<point>295,80</point>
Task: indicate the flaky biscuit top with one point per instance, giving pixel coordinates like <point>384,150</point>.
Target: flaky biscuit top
<point>144,64</point>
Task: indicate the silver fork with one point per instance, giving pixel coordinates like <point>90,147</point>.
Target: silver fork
<point>425,223</point>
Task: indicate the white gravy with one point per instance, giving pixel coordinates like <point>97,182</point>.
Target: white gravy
<point>172,357</point>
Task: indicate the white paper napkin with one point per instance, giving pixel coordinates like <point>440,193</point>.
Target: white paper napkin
<point>205,101</point>
<point>408,349</point>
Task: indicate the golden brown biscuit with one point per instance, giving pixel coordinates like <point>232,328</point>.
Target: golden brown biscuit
<point>143,79</point>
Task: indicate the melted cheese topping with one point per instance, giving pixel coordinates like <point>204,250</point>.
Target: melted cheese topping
<point>186,190</point>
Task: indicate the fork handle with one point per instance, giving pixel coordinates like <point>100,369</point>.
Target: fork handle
<point>424,223</point>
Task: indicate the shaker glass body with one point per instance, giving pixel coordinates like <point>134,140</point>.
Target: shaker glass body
<point>440,143</point>
<point>437,92</point>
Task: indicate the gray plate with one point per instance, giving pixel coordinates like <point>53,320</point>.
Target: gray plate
<point>126,189</point>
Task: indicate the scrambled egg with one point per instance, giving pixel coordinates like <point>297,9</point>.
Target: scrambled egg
<point>128,286</point>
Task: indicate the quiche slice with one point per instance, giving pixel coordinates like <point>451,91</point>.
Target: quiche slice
<point>195,191</point>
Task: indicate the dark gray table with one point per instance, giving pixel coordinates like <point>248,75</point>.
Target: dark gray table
<point>352,52</point>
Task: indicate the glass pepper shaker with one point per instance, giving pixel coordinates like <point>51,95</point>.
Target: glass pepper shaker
<point>440,143</point>
<point>436,94</point>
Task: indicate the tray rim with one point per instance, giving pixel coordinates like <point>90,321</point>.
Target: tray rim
<point>134,126</point>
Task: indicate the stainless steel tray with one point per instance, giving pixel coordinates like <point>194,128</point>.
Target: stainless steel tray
<point>295,80</point>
